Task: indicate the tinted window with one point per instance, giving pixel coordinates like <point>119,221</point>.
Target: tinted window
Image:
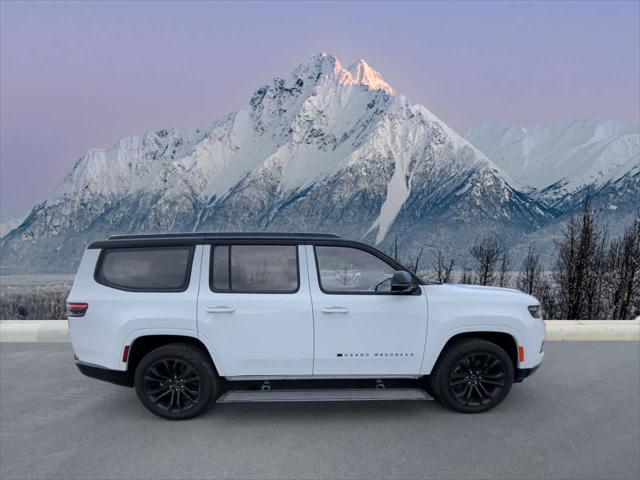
<point>220,272</point>
<point>146,269</point>
<point>255,268</point>
<point>345,269</point>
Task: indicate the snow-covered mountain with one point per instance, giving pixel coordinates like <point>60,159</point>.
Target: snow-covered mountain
<point>563,161</point>
<point>326,148</point>
<point>9,221</point>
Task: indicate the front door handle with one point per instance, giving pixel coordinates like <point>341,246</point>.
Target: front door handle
<point>335,310</point>
<point>220,309</point>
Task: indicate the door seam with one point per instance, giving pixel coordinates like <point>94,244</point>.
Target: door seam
<point>202,247</point>
<point>313,314</point>
<point>428,324</point>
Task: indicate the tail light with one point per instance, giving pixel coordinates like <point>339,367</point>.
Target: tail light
<point>77,309</point>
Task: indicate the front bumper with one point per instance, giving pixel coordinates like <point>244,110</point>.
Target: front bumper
<point>522,373</point>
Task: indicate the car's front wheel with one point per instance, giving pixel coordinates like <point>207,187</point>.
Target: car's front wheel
<point>176,381</point>
<point>473,376</point>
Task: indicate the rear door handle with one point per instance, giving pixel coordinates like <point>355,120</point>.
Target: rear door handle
<point>335,310</point>
<point>220,309</point>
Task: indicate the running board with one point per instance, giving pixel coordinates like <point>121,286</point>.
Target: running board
<point>324,395</point>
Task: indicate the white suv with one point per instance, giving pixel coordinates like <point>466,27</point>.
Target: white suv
<point>189,319</point>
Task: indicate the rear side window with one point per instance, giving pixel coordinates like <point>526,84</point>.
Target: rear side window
<point>254,269</point>
<point>146,269</point>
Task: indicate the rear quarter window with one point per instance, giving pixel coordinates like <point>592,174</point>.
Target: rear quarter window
<point>145,269</point>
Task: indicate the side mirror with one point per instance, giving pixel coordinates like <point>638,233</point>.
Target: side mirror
<point>402,283</point>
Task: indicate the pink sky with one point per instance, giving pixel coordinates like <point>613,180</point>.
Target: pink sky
<point>79,75</point>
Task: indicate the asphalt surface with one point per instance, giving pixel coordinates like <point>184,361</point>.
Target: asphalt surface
<point>577,417</point>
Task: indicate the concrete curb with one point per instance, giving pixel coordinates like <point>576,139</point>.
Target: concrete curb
<point>34,331</point>
<point>557,330</point>
<point>590,330</point>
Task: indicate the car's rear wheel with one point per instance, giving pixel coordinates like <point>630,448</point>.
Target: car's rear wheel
<point>473,376</point>
<point>176,381</point>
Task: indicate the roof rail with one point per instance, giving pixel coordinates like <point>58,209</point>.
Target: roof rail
<point>221,235</point>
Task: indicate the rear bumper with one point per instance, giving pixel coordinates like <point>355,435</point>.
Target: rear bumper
<point>117,377</point>
<point>522,373</point>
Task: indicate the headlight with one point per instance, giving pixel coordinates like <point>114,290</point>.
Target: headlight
<point>535,311</point>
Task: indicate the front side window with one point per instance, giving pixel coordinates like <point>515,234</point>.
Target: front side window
<point>351,270</point>
<point>142,269</point>
<point>255,268</point>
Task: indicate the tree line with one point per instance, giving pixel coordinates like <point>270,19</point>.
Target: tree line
<point>34,303</point>
<point>592,276</point>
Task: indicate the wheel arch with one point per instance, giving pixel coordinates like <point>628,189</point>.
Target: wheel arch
<point>505,340</point>
<point>146,342</point>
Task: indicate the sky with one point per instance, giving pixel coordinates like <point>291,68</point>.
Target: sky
<point>80,75</point>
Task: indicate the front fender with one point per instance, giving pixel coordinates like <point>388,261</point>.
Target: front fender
<point>435,347</point>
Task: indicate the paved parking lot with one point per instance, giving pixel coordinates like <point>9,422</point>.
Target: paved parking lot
<point>578,417</point>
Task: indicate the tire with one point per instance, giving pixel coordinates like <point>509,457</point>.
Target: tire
<point>473,376</point>
<point>177,381</point>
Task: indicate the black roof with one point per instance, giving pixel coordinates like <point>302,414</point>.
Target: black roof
<point>192,238</point>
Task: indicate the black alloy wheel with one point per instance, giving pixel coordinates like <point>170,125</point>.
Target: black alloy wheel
<point>472,376</point>
<point>173,385</point>
<point>177,381</point>
<point>477,379</point>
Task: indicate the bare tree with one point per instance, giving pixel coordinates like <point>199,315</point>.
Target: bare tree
<point>486,252</point>
<point>467,276</point>
<point>442,270</point>
<point>623,273</point>
<point>595,284</point>
<point>578,265</point>
<point>548,296</point>
<point>503,272</point>
<point>415,265</point>
<point>413,262</point>
<point>530,276</point>
<point>532,280</point>
<point>37,302</point>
